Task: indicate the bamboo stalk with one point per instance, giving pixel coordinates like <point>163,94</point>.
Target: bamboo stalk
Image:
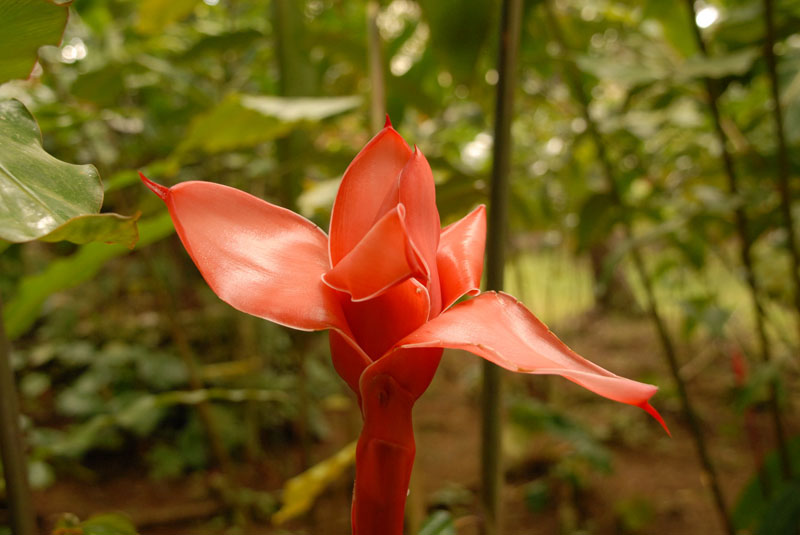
<point>491,402</point>
<point>783,155</point>
<point>651,302</point>
<point>12,453</point>
<point>745,250</point>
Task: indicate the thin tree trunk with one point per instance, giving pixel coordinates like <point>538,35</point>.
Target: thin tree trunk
<point>491,451</point>
<point>15,466</point>
<point>651,302</point>
<point>746,253</point>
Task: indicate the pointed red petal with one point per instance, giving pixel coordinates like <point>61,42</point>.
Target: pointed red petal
<point>381,259</point>
<point>158,189</point>
<point>417,192</point>
<point>365,184</point>
<point>500,329</point>
<point>259,258</point>
<point>460,256</point>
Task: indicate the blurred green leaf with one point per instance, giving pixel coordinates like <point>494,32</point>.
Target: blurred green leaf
<point>241,121</point>
<point>675,23</point>
<point>735,63</point>
<point>103,524</point>
<point>438,523</point>
<point>450,21</point>
<point>597,217</point>
<point>23,309</point>
<point>46,198</point>
<point>25,25</point>
<point>155,15</point>
<point>300,492</point>
<point>776,512</point>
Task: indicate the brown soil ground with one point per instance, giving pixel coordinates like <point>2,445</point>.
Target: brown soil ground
<point>658,474</point>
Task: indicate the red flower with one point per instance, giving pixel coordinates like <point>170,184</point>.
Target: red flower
<point>383,285</point>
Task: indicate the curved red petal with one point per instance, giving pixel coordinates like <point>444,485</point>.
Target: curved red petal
<point>460,256</point>
<point>499,328</point>
<point>383,258</point>
<point>412,368</point>
<point>378,323</point>
<point>349,360</point>
<point>417,192</point>
<point>365,184</point>
<point>259,258</point>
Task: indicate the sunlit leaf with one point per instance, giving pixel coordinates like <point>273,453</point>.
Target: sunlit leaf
<point>43,196</point>
<point>300,492</point>
<point>155,15</point>
<point>25,25</point>
<point>247,120</point>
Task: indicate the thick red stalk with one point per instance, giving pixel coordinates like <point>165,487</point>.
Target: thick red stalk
<point>384,457</point>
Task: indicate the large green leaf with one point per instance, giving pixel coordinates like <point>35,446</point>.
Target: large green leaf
<point>241,121</point>
<point>42,197</point>
<point>23,309</point>
<point>25,25</point>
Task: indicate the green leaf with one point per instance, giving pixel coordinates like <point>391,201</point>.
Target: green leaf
<point>735,63</point>
<point>155,15</point>
<point>108,524</point>
<point>438,523</point>
<point>103,524</point>
<point>23,309</point>
<point>675,24</point>
<point>300,492</point>
<point>25,25</point>
<point>778,511</point>
<point>241,121</point>
<point>43,197</point>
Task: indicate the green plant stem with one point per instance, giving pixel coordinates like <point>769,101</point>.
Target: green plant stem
<point>491,402</point>
<point>783,155</point>
<point>651,302</point>
<point>377,105</point>
<point>745,249</point>
<point>15,467</point>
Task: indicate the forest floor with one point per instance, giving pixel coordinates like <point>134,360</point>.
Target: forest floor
<point>654,487</point>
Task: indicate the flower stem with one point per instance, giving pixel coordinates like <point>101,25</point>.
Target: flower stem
<point>651,302</point>
<point>746,254</point>
<point>15,467</point>
<point>491,451</point>
<point>384,458</point>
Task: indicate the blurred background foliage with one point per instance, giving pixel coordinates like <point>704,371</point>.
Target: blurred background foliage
<point>128,365</point>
